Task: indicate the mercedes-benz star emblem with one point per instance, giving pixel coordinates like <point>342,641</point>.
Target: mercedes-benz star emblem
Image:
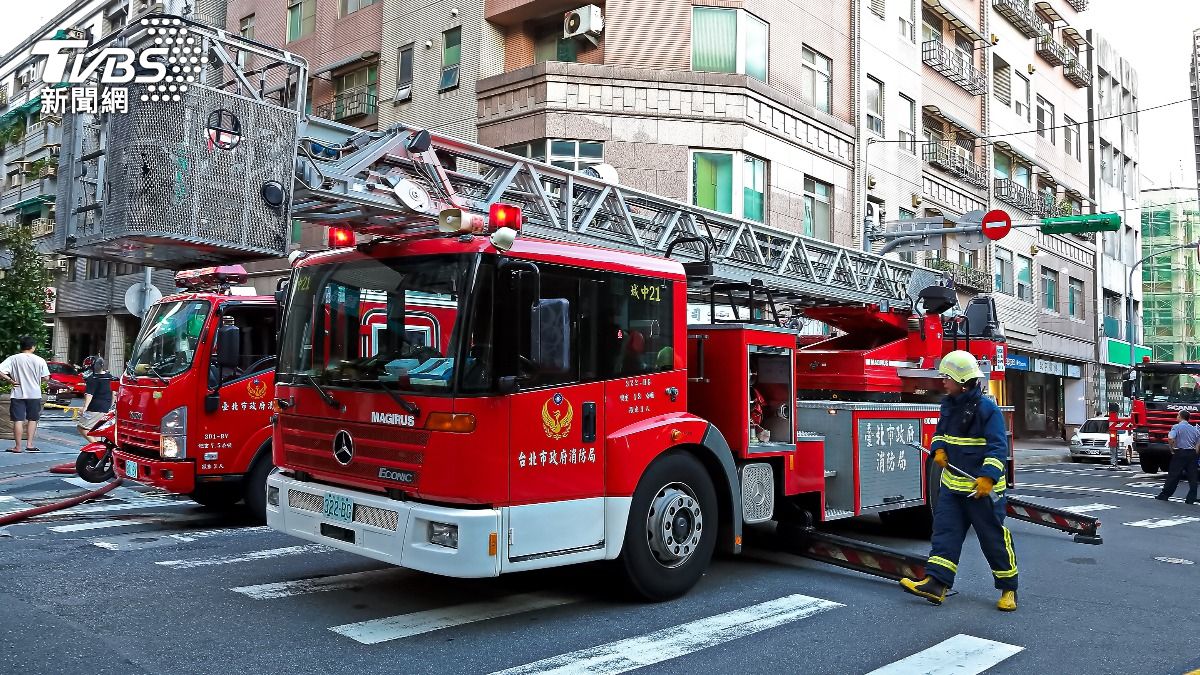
<point>343,448</point>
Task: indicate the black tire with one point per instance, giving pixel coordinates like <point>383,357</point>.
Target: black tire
<point>216,495</point>
<point>658,567</point>
<point>88,467</point>
<point>917,521</point>
<point>1148,465</point>
<point>254,487</point>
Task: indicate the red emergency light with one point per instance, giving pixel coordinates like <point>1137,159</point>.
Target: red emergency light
<point>340,236</point>
<point>504,215</point>
<point>211,278</point>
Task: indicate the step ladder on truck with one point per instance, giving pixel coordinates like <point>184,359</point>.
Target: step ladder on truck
<point>570,414</point>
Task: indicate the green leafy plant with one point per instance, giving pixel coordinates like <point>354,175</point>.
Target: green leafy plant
<point>22,290</point>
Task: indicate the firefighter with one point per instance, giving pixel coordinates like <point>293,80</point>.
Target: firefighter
<point>971,436</point>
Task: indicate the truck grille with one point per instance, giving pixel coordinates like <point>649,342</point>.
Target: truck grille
<point>138,435</point>
<point>308,446</point>
<point>367,515</point>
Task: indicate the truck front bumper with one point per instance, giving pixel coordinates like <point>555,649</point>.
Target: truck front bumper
<point>1152,449</point>
<point>388,530</point>
<point>177,476</point>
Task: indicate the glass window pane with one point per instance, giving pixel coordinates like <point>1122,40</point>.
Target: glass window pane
<point>452,52</point>
<point>756,48</point>
<point>591,149</point>
<point>562,148</point>
<point>712,181</point>
<point>753,185</point>
<point>714,40</point>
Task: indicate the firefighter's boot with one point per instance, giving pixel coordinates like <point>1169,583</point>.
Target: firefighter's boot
<point>1008,601</point>
<point>929,588</point>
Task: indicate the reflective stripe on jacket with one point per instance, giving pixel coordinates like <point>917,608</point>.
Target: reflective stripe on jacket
<point>978,445</point>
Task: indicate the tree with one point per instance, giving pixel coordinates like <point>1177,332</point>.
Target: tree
<point>22,290</point>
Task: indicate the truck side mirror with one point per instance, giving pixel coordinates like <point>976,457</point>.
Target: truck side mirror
<point>281,292</point>
<point>550,335</point>
<point>229,347</point>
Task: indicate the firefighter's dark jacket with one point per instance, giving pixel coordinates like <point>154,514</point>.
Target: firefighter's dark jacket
<point>971,430</point>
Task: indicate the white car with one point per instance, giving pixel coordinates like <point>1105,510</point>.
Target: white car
<point>1091,442</point>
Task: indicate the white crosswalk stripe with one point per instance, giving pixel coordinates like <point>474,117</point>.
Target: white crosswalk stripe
<point>97,525</point>
<point>1155,523</point>
<point>669,643</point>
<point>136,541</point>
<point>340,582</point>
<point>244,557</point>
<point>960,655</point>
<point>390,628</point>
<point>1088,508</point>
<point>12,505</point>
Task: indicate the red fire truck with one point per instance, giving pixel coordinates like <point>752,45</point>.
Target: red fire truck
<point>1158,390</point>
<point>194,409</point>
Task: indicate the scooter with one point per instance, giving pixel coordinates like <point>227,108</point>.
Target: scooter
<point>95,461</point>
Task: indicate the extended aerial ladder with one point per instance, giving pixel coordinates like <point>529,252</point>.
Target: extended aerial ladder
<point>220,175</point>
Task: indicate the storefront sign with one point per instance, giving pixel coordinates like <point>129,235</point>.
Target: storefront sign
<point>1074,371</point>
<point>1048,367</point>
<point>1118,352</point>
<point>1016,362</point>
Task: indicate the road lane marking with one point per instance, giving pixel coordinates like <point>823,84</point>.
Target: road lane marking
<point>111,506</point>
<point>97,525</point>
<point>12,505</point>
<point>141,540</point>
<point>340,582</point>
<point>960,655</point>
<point>1088,508</point>
<point>1155,523</point>
<point>669,643</point>
<point>244,557</point>
<point>204,534</point>
<point>1080,488</point>
<point>401,626</point>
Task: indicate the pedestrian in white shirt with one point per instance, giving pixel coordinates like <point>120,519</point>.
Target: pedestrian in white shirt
<point>26,372</point>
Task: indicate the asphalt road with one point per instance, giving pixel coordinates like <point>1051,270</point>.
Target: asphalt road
<point>141,582</point>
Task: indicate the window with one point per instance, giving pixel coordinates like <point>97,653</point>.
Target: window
<point>1001,81</point>
<point>302,18</point>
<point>551,46</point>
<point>566,154</point>
<point>1024,277</point>
<point>906,29</point>
<point>1045,119</point>
<point>1021,96</point>
<point>818,208</point>
<point>1106,164</point>
<point>1001,164</point>
<point>728,182</point>
<point>816,79</point>
<point>1133,119</point>
<point>72,269</point>
<point>246,30</point>
<point>1021,174</point>
<point>356,93</point>
<point>729,41</point>
<point>1101,87</point>
<point>873,102</point>
<point>1049,289</point>
<point>931,26</point>
<point>908,121</point>
<point>404,73</point>
<point>1070,137</point>
<point>1004,271</point>
<point>1075,298</point>
<point>351,6</point>
<point>97,269</point>
<point>878,9</point>
<point>258,331</point>
<point>451,58</point>
<point>905,214</point>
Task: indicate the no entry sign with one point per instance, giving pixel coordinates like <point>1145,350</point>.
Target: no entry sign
<point>996,224</point>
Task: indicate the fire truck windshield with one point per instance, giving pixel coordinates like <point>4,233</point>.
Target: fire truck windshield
<point>388,324</point>
<point>166,345</point>
<point>1158,387</point>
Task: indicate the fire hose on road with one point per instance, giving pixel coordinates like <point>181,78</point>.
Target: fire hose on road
<point>10,518</point>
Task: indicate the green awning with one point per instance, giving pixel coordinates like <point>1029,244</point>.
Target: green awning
<point>31,205</point>
<point>33,105</point>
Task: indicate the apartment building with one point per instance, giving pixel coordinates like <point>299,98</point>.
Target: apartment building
<point>1171,280</point>
<point>746,108</point>
<point>1113,134</point>
<point>1040,166</point>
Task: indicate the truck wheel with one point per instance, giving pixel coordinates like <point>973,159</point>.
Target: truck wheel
<point>1148,464</point>
<point>255,487</point>
<point>672,528</point>
<point>215,496</point>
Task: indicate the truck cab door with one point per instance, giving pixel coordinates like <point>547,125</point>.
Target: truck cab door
<point>244,393</point>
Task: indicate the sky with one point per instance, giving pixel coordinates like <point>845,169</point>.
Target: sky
<point>1154,35</point>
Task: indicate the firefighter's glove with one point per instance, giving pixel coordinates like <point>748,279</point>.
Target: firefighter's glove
<point>983,487</point>
<point>939,458</point>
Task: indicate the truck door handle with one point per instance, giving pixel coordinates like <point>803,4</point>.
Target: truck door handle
<point>589,422</point>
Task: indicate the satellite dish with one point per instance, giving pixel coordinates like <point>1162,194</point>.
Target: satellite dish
<point>138,299</point>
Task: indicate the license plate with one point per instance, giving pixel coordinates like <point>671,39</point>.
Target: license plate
<point>131,469</point>
<point>340,508</point>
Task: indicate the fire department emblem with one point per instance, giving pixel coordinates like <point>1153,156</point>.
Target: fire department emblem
<point>556,419</point>
<point>257,389</point>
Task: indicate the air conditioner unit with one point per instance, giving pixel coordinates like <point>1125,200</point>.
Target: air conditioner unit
<point>75,34</point>
<point>586,22</point>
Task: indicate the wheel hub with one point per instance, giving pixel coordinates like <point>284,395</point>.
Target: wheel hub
<point>674,525</point>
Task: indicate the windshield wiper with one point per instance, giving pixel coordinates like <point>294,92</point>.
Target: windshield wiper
<point>325,396</point>
<point>150,370</point>
<point>409,407</point>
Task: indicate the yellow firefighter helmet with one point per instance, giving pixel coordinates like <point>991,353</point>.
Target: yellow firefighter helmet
<point>960,366</point>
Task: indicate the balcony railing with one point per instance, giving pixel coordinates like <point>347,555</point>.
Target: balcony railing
<point>1020,196</point>
<point>1020,15</point>
<point>1078,5</point>
<point>1053,51</point>
<point>1077,72</point>
<point>350,103</point>
<point>965,277</point>
<point>944,157</point>
<point>42,227</point>
<point>954,66</point>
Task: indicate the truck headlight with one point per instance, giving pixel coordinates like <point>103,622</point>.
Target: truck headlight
<point>443,534</point>
<point>173,434</point>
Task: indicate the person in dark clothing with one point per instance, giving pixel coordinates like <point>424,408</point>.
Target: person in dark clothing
<point>98,397</point>
<point>1183,439</point>
<point>970,435</point>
